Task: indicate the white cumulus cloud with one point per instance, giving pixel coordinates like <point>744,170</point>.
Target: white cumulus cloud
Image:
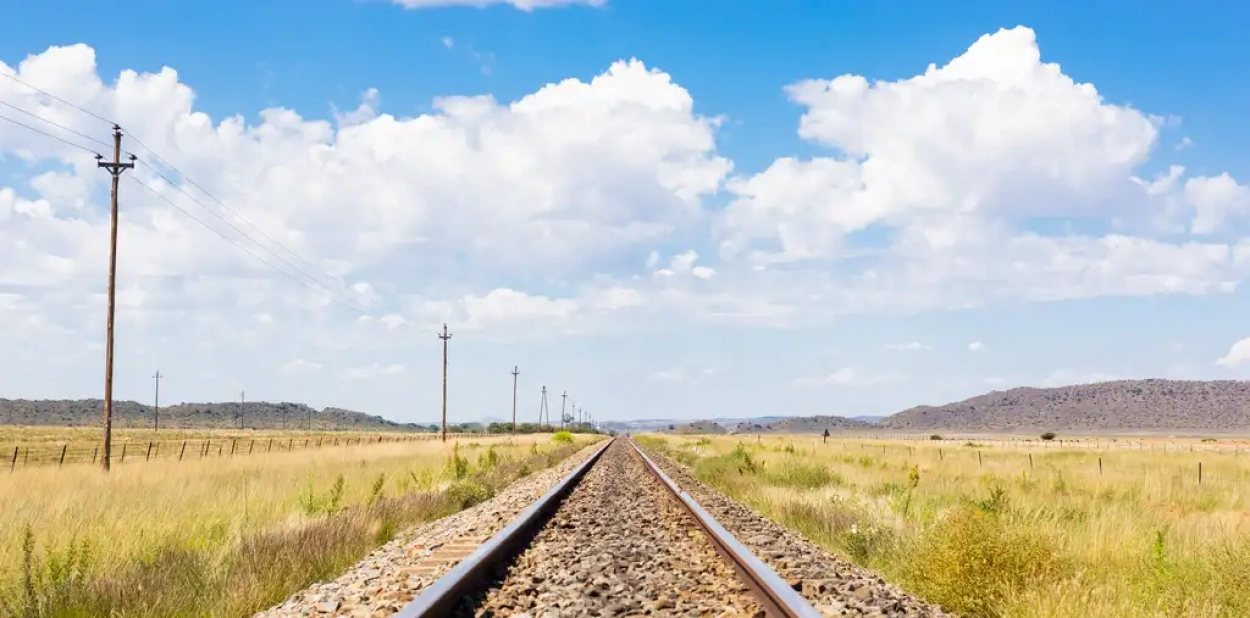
<point>1238,354</point>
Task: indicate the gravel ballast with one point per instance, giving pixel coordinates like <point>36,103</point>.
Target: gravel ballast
<point>395,573</point>
<point>619,545</point>
<point>832,585</point>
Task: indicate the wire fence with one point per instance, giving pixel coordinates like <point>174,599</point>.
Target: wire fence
<point>1236,445</point>
<point>29,455</point>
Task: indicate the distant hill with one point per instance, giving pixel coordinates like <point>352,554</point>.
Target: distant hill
<point>873,420</point>
<point>1127,405</point>
<point>796,424</point>
<point>659,424</point>
<point>804,424</point>
<point>701,427</point>
<point>256,415</point>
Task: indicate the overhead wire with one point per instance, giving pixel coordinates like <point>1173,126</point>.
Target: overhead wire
<point>178,186</point>
<point>55,98</point>
<point>46,134</point>
<point>356,306</point>
<point>57,125</point>
<point>347,303</point>
<point>244,220</point>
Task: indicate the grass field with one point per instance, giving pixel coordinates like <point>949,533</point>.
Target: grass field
<point>225,537</point>
<point>34,446</point>
<point>986,531</point>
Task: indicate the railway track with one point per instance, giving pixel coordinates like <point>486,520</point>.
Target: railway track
<point>616,536</point>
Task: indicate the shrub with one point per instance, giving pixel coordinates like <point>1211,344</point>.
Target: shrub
<point>803,475</point>
<point>973,561</point>
<point>488,460</point>
<point>465,494</point>
<point>562,437</point>
<point>935,437</point>
<point>1048,436</point>
<point>457,466</point>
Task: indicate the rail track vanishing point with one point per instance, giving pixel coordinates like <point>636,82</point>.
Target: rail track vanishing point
<point>500,577</point>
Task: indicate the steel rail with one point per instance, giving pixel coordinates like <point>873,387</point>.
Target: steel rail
<point>440,598</point>
<point>775,596</point>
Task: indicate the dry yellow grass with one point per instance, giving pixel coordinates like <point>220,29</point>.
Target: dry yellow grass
<point>993,535</point>
<point>209,509</point>
<point>27,446</point>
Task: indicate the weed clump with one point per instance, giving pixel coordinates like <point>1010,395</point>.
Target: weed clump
<point>562,437</point>
<point>803,475</point>
<point>978,556</point>
<point>457,467</point>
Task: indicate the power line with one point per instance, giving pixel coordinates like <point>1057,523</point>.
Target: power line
<point>187,179</point>
<point>356,306</point>
<point>246,250</point>
<point>55,124</point>
<point>342,299</point>
<point>46,134</point>
<point>244,220</point>
<point>58,99</point>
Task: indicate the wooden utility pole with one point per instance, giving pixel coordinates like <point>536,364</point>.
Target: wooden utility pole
<point>445,337</point>
<point>115,169</point>
<point>156,407</point>
<point>563,399</point>
<point>242,405</point>
<point>515,372</point>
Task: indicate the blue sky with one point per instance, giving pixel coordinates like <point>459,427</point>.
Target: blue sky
<point>992,205</point>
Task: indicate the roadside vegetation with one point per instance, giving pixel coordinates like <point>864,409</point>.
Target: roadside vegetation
<point>987,531</point>
<point>227,537</point>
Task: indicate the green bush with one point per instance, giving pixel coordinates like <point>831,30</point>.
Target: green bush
<point>465,494</point>
<point>562,437</point>
<point>1048,436</point>
<point>803,475</point>
<point>457,467</point>
<point>975,559</point>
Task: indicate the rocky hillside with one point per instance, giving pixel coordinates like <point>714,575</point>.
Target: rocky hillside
<point>1125,405</point>
<point>804,424</point>
<point>256,415</point>
<point>701,427</point>
<point>790,425</point>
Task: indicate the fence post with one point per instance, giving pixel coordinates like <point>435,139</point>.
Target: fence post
<point>124,445</point>
<point>184,450</point>
<point>62,461</point>
<point>978,458</point>
<point>232,445</point>
<point>1030,461</point>
<point>207,445</point>
<point>251,447</point>
<point>939,454</point>
<point>1200,473</point>
<point>149,455</point>
<point>270,448</point>
<point>1099,466</point>
<point>94,454</point>
<point>26,457</point>
<point>220,447</point>
<point>289,441</point>
<point>13,464</point>
<point>305,442</point>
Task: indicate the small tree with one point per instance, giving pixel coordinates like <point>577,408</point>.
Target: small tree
<point>935,437</point>
<point>1048,436</point>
